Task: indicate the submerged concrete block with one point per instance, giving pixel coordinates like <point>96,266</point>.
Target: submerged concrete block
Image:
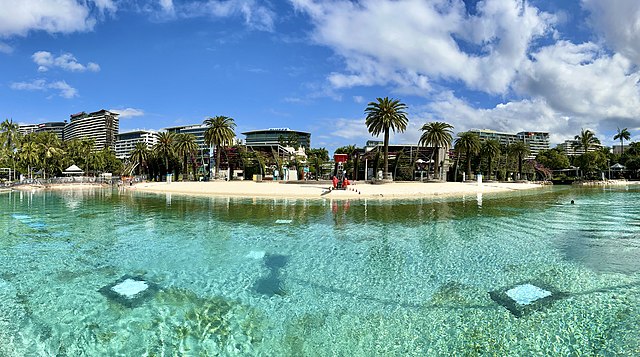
<point>522,299</point>
<point>130,291</point>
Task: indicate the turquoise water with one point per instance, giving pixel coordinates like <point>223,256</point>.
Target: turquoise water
<point>318,278</point>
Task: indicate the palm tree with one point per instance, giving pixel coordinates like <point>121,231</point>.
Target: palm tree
<point>622,135</point>
<point>51,148</point>
<point>165,148</point>
<point>520,150</point>
<point>140,153</point>
<point>220,133</point>
<point>29,154</point>
<point>384,115</point>
<point>9,133</point>
<point>469,143</point>
<point>586,140</point>
<point>439,135</point>
<point>186,146</point>
<point>490,149</point>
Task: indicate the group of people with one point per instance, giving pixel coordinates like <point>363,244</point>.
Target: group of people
<point>345,182</point>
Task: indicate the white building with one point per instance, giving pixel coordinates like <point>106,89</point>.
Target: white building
<point>125,142</point>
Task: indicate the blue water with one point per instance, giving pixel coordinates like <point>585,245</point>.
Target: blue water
<point>319,277</point>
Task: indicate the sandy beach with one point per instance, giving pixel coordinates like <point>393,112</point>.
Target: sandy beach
<point>396,190</point>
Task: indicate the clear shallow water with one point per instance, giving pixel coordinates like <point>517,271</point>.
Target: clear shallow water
<point>357,278</point>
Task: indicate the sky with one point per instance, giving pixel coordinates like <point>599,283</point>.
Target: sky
<point>311,65</point>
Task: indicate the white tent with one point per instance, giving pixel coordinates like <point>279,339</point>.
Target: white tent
<point>73,170</point>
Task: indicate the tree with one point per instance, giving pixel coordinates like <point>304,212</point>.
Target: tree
<point>554,159</point>
<point>140,153</point>
<point>29,155</point>
<point>520,150</point>
<point>469,144</point>
<point>490,149</point>
<point>385,115</point>
<point>592,161</point>
<point>439,135</point>
<point>50,149</point>
<point>317,157</point>
<point>165,148</point>
<point>9,134</point>
<point>186,146</point>
<point>220,133</point>
<point>622,135</point>
<point>586,140</point>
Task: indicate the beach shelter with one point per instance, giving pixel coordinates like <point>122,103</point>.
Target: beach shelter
<point>73,170</point>
<point>617,167</point>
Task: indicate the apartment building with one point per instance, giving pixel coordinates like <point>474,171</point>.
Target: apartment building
<point>535,140</point>
<point>573,148</point>
<point>125,142</point>
<point>101,126</point>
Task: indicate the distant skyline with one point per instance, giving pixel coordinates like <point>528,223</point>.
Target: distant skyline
<point>309,65</point>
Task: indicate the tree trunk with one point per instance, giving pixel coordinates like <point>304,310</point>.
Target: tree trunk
<point>436,164</point>
<point>489,168</point>
<point>217,159</point>
<point>386,153</point>
<point>520,167</point>
<point>468,165</point>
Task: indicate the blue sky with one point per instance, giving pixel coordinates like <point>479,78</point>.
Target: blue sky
<point>506,65</point>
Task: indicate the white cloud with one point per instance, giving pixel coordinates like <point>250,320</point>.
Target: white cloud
<point>128,112</point>
<point>54,16</point>
<point>358,99</point>
<point>619,23</point>
<point>256,15</point>
<point>65,90</point>
<point>425,41</point>
<point>66,61</point>
<point>167,6</point>
<point>582,81</point>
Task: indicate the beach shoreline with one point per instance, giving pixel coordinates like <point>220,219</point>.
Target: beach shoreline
<point>322,190</point>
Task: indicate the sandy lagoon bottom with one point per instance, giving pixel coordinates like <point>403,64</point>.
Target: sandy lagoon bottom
<point>319,277</point>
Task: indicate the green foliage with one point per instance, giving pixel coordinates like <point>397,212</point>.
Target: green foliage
<point>591,162</point>
<point>467,143</point>
<point>220,133</point>
<point>384,115</point>
<point>586,140</point>
<point>554,159</point>
<point>439,135</point>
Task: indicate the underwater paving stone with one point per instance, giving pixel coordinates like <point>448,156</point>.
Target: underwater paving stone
<point>524,298</point>
<point>130,291</point>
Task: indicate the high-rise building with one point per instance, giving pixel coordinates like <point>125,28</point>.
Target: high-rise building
<point>26,129</point>
<point>54,127</point>
<point>574,148</point>
<point>101,126</point>
<point>125,142</point>
<point>535,140</point>
<point>196,130</point>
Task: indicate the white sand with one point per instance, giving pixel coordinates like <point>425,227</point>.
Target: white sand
<point>269,189</point>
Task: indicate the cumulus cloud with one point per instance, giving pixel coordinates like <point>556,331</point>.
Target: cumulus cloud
<point>128,112</point>
<point>618,22</point>
<point>54,16</point>
<point>65,90</point>
<point>426,41</point>
<point>507,49</point>
<point>66,61</point>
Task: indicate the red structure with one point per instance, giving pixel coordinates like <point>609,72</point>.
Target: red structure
<point>340,158</point>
